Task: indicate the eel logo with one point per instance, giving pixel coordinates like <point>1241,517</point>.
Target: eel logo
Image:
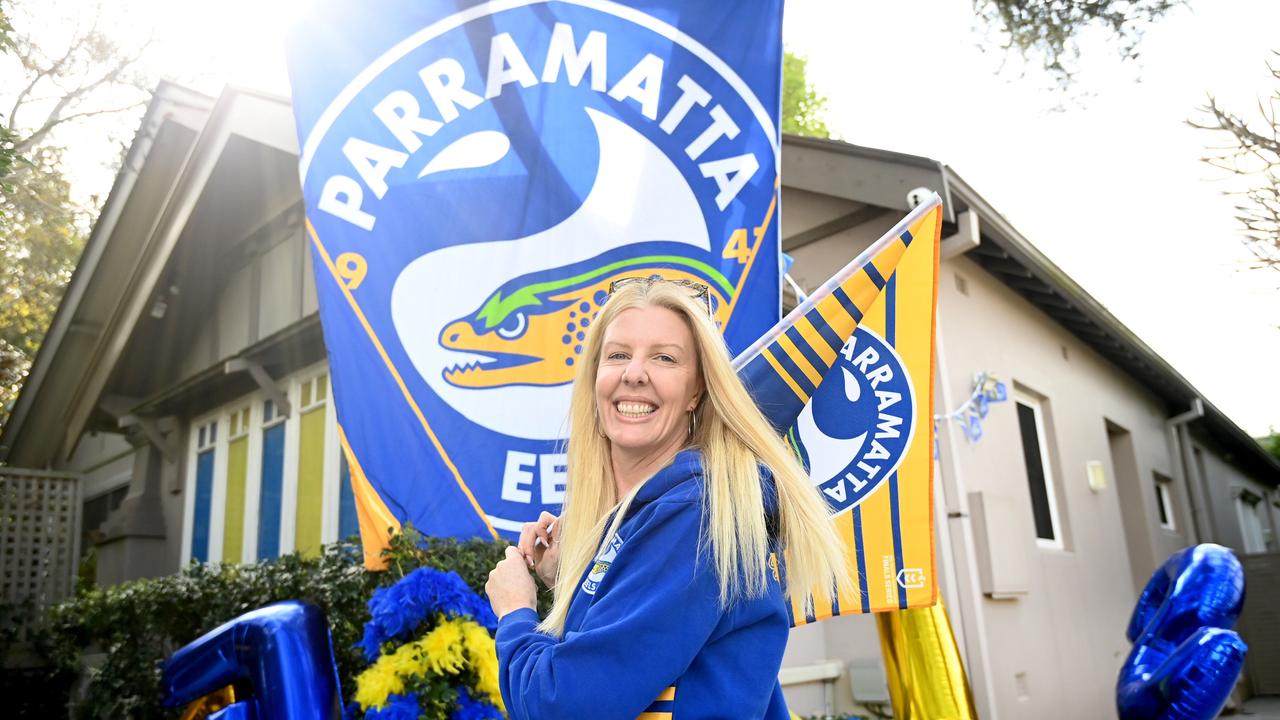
<point>495,327</point>
<point>601,565</point>
<point>855,431</point>
<point>531,333</point>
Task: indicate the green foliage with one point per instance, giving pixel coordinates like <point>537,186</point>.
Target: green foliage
<point>6,32</point>
<point>40,240</point>
<point>138,624</point>
<point>8,138</point>
<point>1271,443</point>
<point>471,559</point>
<point>1048,30</point>
<point>802,107</point>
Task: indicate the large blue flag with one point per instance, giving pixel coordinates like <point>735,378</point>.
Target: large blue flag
<point>475,175</point>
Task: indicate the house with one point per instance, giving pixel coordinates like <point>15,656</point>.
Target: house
<point>184,387</point>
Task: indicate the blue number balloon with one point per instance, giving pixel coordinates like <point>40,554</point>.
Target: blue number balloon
<point>1185,657</point>
<point>281,652</point>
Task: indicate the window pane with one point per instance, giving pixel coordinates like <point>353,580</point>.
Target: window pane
<point>310,507</point>
<point>1160,503</point>
<point>204,505</point>
<point>271,497</point>
<point>233,518</point>
<point>1035,472</point>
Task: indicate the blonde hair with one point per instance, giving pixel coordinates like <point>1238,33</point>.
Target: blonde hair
<point>735,439</point>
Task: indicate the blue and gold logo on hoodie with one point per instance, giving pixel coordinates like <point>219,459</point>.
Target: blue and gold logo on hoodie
<point>601,564</point>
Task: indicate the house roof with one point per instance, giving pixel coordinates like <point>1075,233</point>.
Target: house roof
<point>184,134</point>
<point>176,150</point>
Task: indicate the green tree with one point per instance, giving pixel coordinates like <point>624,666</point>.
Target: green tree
<point>1049,30</point>
<point>1271,443</point>
<point>40,241</point>
<point>803,109</point>
<point>42,89</point>
<point>45,88</point>
<point>6,31</point>
<point>7,138</point>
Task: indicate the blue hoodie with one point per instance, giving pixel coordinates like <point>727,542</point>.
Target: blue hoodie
<point>645,635</point>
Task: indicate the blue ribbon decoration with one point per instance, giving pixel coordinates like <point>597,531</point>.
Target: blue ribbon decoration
<point>987,389</point>
<point>283,654</point>
<point>1185,657</point>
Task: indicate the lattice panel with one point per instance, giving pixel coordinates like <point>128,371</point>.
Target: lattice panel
<point>39,535</point>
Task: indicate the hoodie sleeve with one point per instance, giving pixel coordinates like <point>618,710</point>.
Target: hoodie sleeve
<point>655,609</point>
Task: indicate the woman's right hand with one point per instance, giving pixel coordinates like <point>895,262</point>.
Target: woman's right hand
<point>540,546</point>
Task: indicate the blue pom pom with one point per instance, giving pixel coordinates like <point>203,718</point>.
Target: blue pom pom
<point>397,611</point>
<point>470,708</point>
<point>398,707</point>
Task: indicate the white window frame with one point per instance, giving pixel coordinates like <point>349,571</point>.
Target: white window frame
<point>1050,484</point>
<point>332,467</point>
<point>292,448</point>
<point>194,448</point>
<point>248,534</point>
<point>1248,504</point>
<point>289,467</point>
<point>291,385</point>
<point>252,478</point>
<point>1164,496</point>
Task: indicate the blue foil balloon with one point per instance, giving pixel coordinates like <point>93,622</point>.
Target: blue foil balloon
<point>1185,657</point>
<point>281,654</point>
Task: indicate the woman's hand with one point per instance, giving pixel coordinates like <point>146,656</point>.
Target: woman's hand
<point>510,586</point>
<point>540,546</point>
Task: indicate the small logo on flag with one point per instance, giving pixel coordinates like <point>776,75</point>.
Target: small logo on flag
<point>856,429</point>
<point>911,578</point>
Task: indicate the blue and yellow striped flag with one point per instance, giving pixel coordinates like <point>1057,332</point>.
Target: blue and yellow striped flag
<point>848,375</point>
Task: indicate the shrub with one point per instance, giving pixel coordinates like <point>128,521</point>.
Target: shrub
<point>136,625</point>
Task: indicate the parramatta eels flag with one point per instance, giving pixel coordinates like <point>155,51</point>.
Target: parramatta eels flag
<point>849,376</point>
<point>475,175</point>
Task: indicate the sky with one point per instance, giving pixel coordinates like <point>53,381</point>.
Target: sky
<point>1105,178</point>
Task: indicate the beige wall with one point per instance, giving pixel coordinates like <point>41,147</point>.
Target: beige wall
<point>1225,482</point>
<point>1071,621</point>
<point>104,462</point>
<point>273,289</point>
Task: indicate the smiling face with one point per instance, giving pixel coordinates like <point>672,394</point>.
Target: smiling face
<point>646,385</point>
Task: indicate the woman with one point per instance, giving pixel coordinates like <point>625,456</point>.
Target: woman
<point>680,495</point>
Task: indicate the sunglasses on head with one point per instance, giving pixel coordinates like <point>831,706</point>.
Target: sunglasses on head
<point>697,290</point>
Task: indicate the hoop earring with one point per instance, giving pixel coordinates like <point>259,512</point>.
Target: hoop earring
<point>693,423</point>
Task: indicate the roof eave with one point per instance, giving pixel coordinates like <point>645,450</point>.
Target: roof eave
<point>997,228</point>
<point>169,103</point>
